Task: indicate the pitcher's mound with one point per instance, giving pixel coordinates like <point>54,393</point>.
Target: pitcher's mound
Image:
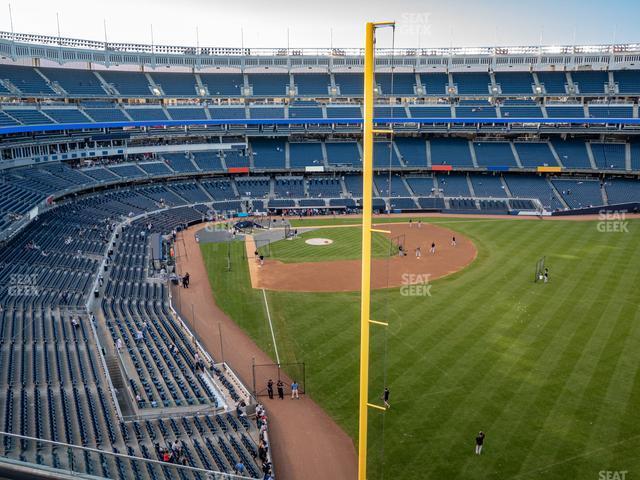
<point>319,241</point>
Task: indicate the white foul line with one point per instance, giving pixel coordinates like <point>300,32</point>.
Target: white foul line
<point>273,337</point>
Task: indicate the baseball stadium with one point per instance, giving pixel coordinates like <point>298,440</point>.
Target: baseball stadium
<point>376,261</point>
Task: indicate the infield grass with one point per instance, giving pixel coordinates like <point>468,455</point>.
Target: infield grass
<point>346,245</point>
<point>551,372</point>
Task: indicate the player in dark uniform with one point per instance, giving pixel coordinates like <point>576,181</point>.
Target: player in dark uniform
<point>479,443</point>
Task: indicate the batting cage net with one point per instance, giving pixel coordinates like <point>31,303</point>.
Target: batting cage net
<point>287,373</point>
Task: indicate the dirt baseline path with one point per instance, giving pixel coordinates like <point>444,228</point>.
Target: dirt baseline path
<point>344,275</point>
<point>305,441</point>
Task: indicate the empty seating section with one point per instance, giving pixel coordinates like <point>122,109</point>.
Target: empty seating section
<point>176,84</point>
<point>475,110</point>
<point>353,184</point>
<point>554,83</point>
<point>268,154</point>
<point>343,153</point>
<point>254,187</point>
<point>565,111</point>
<point>127,83</point>
<point>146,113</point>
<point>434,83</point>
<point>413,151</point>
<point>29,116</point>
<point>579,193</point>
<point>305,112</point>
<point>343,112</point>
<point>324,187</point>
<point>223,85</point>
<point>219,189</point>
<point>179,162</point>
<point>187,113</point>
<point>306,154</point>
<point>396,83</point>
<point>609,156</point>
<point>635,156</point>
<point>155,168</point>
<point>628,81</point>
<point>534,154</point>
<point>494,154</point>
<point>129,170</point>
<point>472,83</point>
<point>390,185</point>
<point>236,159</point>
<point>421,186</point>
<point>520,111</point>
<point>66,115</point>
<point>106,114</point>
<point>572,153</point>
<point>266,112</point>
<point>312,84</point>
<point>208,161</point>
<point>515,83</point>
<point>383,111</point>
<point>101,174</point>
<point>453,185</point>
<point>430,112</point>
<point>227,113</point>
<point>349,83</point>
<point>289,187</point>
<point>622,190</point>
<point>611,111</point>
<point>590,82</point>
<point>76,82</point>
<point>7,120</point>
<point>385,155</point>
<point>269,85</point>
<point>26,79</point>
<point>452,151</point>
<point>487,186</point>
<point>529,186</point>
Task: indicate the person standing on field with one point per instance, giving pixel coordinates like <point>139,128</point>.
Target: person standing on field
<point>270,389</point>
<point>418,253</point>
<point>294,390</point>
<point>479,443</point>
<point>280,387</point>
<point>385,397</point>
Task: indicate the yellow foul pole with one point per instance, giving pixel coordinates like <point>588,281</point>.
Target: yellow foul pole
<point>367,210</point>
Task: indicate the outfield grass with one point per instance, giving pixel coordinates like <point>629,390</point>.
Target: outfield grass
<point>346,245</point>
<point>548,371</point>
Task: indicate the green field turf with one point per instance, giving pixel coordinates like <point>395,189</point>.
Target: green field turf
<point>346,245</point>
<point>549,371</point>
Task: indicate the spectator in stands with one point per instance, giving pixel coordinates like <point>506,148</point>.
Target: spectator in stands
<point>139,336</point>
<point>118,344</point>
<point>294,390</point>
<point>74,322</point>
<point>238,469</point>
<point>266,469</point>
<point>262,453</point>
<point>280,387</point>
<point>270,389</point>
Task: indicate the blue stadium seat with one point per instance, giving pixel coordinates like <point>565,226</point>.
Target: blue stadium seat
<point>306,154</point>
<point>133,84</point>
<point>609,156</point>
<point>176,84</point>
<point>223,84</point>
<point>26,79</point>
<point>454,151</point>
<point>535,154</point>
<point>554,83</point>
<point>494,154</point>
<point>312,84</point>
<point>350,84</point>
<point>515,83</point>
<point>435,84</point>
<point>572,153</point>
<point>591,82</point>
<point>472,83</point>
<point>76,82</point>
<point>269,85</point>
